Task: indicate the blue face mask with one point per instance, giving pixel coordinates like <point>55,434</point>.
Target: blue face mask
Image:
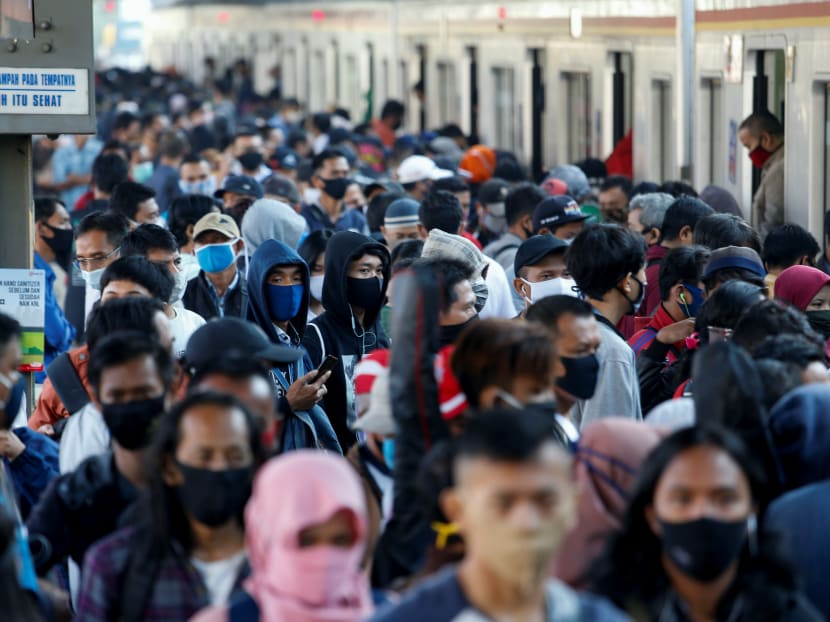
<point>388,447</point>
<point>692,307</point>
<point>284,301</point>
<point>216,257</point>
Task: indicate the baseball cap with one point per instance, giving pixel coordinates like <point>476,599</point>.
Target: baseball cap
<point>478,162</point>
<point>402,213</point>
<point>285,158</point>
<point>451,399</point>
<point>555,211</point>
<point>418,168</point>
<point>232,336</point>
<point>221,223</point>
<point>536,248</point>
<point>492,194</point>
<point>280,186</point>
<point>241,184</point>
<point>734,257</point>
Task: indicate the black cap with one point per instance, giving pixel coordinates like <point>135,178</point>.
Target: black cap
<point>536,248</point>
<point>241,184</point>
<point>282,187</point>
<point>285,158</point>
<point>232,336</point>
<point>493,191</point>
<point>555,211</point>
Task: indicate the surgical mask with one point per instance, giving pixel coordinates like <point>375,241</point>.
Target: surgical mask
<point>142,172</point>
<point>179,287</point>
<point>93,278</point>
<point>449,334</point>
<point>216,257</point>
<point>336,188</point>
<point>704,548</point>
<point>691,308</point>
<point>365,294</point>
<point>388,447</point>
<point>251,161</point>
<point>214,497</point>
<point>190,266</point>
<point>580,379</point>
<point>315,286</point>
<point>553,287</point>
<point>759,156</point>
<point>132,423</point>
<point>494,224</point>
<point>481,292</point>
<point>820,321</point>
<point>205,186</point>
<point>284,301</point>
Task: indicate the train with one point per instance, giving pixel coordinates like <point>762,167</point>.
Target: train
<point>555,82</point>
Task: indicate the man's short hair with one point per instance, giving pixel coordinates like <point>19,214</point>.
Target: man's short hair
<point>684,212</point>
<point>9,329</point>
<point>447,273</point>
<point>127,195</point>
<point>721,230</point>
<point>133,313</point>
<point>681,265</point>
<point>320,159</point>
<point>109,170</point>
<point>376,210</point>
<point>521,201</point>
<point>136,269</point>
<point>596,273</point>
<point>654,206</point>
<point>768,318</point>
<point>145,238</point>
<point>548,310</point>
<point>392,108</point>
<point>45,207</point>
<point>788,243</point>
<point>677,189</point>
<point>124,120</point>
<point>441,210</point>
<point>172,145</point>
<point>114,225</point>
<point>454,184</point>
<point>617,181</point>
<point>186,210</point>
<point>125,346</point>
<point>760,122</point>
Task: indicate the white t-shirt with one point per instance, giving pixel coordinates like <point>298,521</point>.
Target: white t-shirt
<point>85,434</point>
<point>182,326</point>
<point>220,576</point>
<point>499,297</point>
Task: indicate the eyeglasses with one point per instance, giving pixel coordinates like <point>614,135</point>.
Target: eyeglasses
<point>87,265</point>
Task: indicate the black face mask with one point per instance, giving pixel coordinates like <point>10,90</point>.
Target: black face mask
<point>336,188</point>
<point>703,549</point>
<point>132,423</point>
<point>214,497</point>
<point>580,379</point>
<point>820,321</point>
<point>366,294</point>
<point>251,161</point>
<point>61,244</point>
<point>450,334</point>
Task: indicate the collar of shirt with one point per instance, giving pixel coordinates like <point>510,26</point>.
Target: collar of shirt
<point>220,300</point>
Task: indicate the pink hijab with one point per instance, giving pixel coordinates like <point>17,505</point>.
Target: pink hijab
<point>798,285</point>
<point>316,584</point>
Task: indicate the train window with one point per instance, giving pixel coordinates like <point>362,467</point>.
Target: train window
<point>661,125</point>
<point>577,91</point>
<point>447,98</point>
<point>712,158</point>
<point>505,92</point>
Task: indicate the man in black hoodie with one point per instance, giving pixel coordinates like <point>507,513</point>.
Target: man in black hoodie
<point>354,291</point>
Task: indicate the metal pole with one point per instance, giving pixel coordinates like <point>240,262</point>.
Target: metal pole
<point>686,90</point>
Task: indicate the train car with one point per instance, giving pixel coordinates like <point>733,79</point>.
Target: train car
<point>554,81</point>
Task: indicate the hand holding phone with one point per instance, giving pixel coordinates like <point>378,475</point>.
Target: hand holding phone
<point>325,367</point>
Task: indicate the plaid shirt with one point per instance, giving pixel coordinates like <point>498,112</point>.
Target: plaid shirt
<point>178,590</point>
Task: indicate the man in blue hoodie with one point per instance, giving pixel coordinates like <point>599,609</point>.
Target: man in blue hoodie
<point>278,303</point>
<point>354,292</point>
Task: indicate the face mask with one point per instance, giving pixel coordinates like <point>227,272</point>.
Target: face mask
<point>365,294</point>
<point>132,423</point>
<point>495,224</point>
<point>284,301</point>
<point>759,156</point>
<point>60,243</point>
<point>322,574</point>
<point>449,334</point>
<point>17,393</point>
<point>190,266</point>
<point>388,447</point>
<point>142,172</point>
<point>179,287</point>
<point>206,186</point>
<point>553,287</point>
<point>691,308</point>
<point>214,497</point>
<point>703,549</point>
<point>580,379</point>
<point>311,196</point>
<point>635,304</point>
<point>820,321</point>
<point>93,278</point>
<point>216,257</point>
<point>315,287</point>
<point>481,292</point>
<point>251,161</point>
<point>336,188</point>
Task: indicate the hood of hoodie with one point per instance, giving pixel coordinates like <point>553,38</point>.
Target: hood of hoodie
<point>273,253</point>
<point>267,219</point>
<point>344,247</point>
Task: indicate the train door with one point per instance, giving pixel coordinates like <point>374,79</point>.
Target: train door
<point>537,112</point>
<point>622,68</point>
<point>504,126</point>
<point>768,91</point>
<point>576,90</point>
<point>661,130</point>
<point>712,156</point>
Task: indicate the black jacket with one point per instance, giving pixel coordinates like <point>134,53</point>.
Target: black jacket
<point>199,298</point>
<point>336,331</point>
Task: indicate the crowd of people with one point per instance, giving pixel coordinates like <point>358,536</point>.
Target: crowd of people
<point>301,367</point>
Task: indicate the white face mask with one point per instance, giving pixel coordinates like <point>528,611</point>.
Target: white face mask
<point>179,287</point>
<point>315,287</point>
<point>93,278</point>
<point>206,187</point>
<point>553,287</point>
<point>190,266</point>
<point>311,196</point>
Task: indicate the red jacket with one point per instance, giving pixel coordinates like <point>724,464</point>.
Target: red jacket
<point>654,258</point>
<point>642,339</point>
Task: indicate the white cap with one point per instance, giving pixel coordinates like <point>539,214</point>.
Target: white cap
<point>417,168</point>
<point>378,419</point>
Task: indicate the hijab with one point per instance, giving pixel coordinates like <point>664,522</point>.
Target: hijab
<point>798,285</point>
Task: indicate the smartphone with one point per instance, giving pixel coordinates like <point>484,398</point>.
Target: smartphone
<point>327,366</point>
